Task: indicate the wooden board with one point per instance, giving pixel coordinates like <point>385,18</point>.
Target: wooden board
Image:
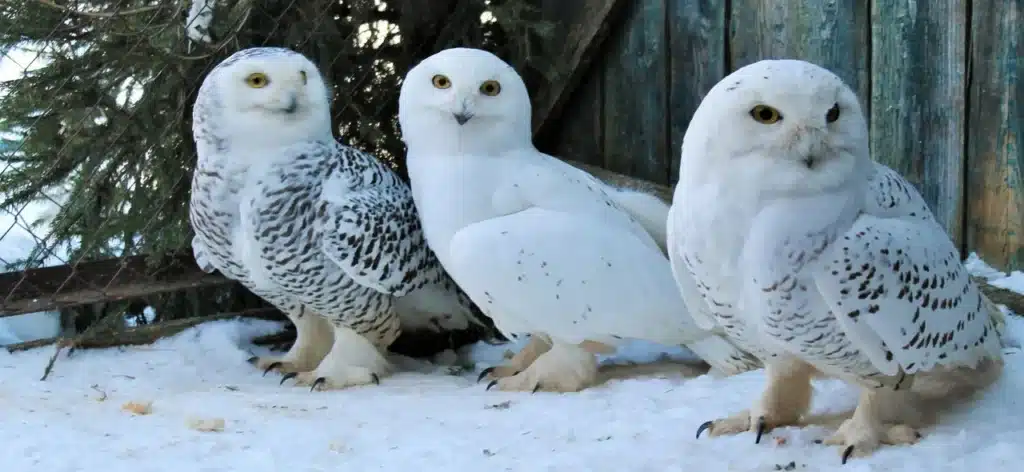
<point>995,157</point>
<point>698,59</point>
<point>833,35</point>
<point>49,288</point>
<point>918,97</point>
<point>636,94</point>
<point>580,133</point>
<point>585,25</point>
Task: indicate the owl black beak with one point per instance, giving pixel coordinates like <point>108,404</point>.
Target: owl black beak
<point>809,161</point>
<point>293,104</point>
<point>462,117</point>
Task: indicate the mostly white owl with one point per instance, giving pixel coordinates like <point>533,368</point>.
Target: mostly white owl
<point>326,233</point>
<point>541,246</point>
<point>821,261</point>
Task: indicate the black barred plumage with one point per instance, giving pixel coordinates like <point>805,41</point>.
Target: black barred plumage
<point>305,222</point>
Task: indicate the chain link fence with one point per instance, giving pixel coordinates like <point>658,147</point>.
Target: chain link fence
<point>96,151</point>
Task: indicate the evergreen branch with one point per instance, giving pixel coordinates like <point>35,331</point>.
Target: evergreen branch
<point>134,11</point>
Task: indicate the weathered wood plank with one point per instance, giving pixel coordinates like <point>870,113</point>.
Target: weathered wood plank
<point>585,24</point>
<point>918,99</point>
<point>580,134</point>
<point>995,158</point>
<point>833,35</point>
<point>697,61</point>
<point>49,288</point>
<point>636,94</point>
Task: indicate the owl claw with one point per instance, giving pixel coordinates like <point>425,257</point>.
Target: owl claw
<point>484,373</point>
<point>317,382</point>
<point>847,453</point>
<point>272,366</point>
<point>493,383</point>
<point>704,427</point>
<point>535,388</point>
<point>761,427</point>
<point>287,376</point>
<point>375,378</point>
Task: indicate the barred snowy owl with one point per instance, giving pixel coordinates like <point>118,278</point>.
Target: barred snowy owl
<point>541,246</point>
<point>822,261</point>
<point>325,232</point>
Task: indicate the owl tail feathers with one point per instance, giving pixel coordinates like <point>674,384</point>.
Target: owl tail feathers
<point>650,211</point>
<point>723,356</point>
<point>438,317</point>
<point>998,320</point>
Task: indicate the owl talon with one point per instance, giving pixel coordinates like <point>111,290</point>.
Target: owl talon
<point>704,427</point>
<point>535,388</point>
<point>272,366</point>
<point>289,375</point>
<point>847,453</point>
<point>317,382</point>
<point>375,378</point>
<point>493,383</point>
<point>484,373</point>
<point>761,427</point>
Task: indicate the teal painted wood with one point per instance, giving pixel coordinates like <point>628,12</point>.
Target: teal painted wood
<point>832,34</point>
<point>636,96</point>
<point>697,61</point>
<point>995,157</point>
<point>918,99</point>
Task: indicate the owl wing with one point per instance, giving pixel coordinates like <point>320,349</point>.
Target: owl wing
<point>371,231</point>
<point>567,260</point>
<point>895,284</point>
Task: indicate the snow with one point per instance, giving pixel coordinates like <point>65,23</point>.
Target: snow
<point>431,415</point>
<point>1012,281</point>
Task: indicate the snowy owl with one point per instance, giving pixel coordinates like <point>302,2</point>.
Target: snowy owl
<point>325,232</point>
<point>820,261</point>
<point>542,247</point>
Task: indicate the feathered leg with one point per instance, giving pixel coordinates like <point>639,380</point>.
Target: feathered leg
<point>565,367</point>
<point>889,417</point>
<point>313,338</point>
<point>785,399</point>
<point>356,357</point>
<point>863,433</point>
<point>539,344</point>
<point>353,360</point>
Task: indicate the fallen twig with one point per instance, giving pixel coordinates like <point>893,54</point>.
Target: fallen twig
<point>53,360</point>
<point>1001,296</point>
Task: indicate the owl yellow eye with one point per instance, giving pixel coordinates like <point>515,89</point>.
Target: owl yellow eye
<point>490,88</point>
<point>765,114</point>
<point>302,74</point>
<point>257,80</point>
<point>441,81</point>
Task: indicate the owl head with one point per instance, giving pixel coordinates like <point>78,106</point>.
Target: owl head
<point>788,126</point>
<point>262,97</point>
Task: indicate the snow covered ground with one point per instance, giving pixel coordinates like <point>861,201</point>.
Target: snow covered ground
<point>208,410</point>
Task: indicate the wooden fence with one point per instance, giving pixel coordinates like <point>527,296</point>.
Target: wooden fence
<point>941,82</point>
